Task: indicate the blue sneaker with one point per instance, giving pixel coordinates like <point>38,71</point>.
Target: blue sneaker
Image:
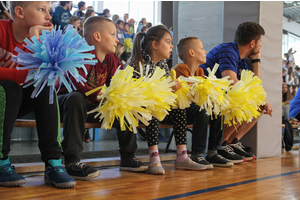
<point>55,174</point>
<point>8,176</point>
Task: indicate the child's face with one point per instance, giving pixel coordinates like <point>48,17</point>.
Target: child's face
<point>284,88</point>
<point>109,39</point>
<point>291,89</point>
<point>37,13</point>
<point>165,46</point>
<point>77,23</point>
<point>126,28</point>
<point>121,50</point>
<point>200,53</point>
<point>120,26</point>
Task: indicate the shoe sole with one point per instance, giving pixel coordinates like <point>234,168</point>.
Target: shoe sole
<point>250,158</point>
<point>13,183</point>
<point>138,169</point>
<point>222,165</point>
<point>209,166</point>
<point>157,173</point>
<point>60,185</point>
<point>88,177</point>
<point>194,169</point>
<point>237,161</point>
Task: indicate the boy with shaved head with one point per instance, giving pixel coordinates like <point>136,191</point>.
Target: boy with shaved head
<point>28,19</point>
<point>100,32</point>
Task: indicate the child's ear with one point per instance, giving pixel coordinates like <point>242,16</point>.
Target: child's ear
<point>97,36</point>
<point>191,53</point>
<point>19,12</point>
<point>154,45</point>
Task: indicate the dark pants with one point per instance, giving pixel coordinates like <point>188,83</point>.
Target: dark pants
<point>15,102</point>
<point>73,112</point>
<point>200,121</point>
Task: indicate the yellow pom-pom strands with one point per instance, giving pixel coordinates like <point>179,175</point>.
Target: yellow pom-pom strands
<point>159,92</point>
<point>244,97</point>
<point>209,93</point>
<point>124,101</point>
<point>184,99</point>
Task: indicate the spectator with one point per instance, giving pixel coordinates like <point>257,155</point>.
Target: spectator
<point>144,29</point>
<point>131,27</point>
<point>142,23</point>
<point>115,17</point>
<point>127,43</point>
<point>290,78</point>
<point>291,56</point>
<point>74,23</point>
<point>79,13</point>
<point>106,12</point>
<point>283,75</point>
<point>190,50</point>
<point>125,17</point>
<point>120,33</point>
<point>88,14</point>
<point>231,59</point>
<point>286,101</point>
<point>62,15</point>
<point>149,24</point>
<point>297,75</point>
<point>118,53</point>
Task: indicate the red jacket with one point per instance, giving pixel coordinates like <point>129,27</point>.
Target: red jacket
<point>8,43</point>
<point>97,75</point>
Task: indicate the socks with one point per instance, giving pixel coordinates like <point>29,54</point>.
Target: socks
<point>154,156</point>
<point>4,162</point>
<point>181,155</point>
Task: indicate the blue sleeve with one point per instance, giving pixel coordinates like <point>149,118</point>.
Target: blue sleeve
<point>228,61</point>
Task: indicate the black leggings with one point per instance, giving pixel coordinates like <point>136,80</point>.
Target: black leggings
<point>177,118</point>
<point>15,102</point>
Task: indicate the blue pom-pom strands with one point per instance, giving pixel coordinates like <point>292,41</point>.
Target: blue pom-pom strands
<point>58,54</point>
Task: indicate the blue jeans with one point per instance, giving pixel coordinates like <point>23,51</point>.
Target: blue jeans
<point>200,121</point>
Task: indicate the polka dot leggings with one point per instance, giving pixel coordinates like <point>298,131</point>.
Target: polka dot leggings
<point>177,118</point>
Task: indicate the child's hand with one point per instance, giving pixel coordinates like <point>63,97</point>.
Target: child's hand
<point>98,97</point>
<point>177,86</point>
<point>37,29</point>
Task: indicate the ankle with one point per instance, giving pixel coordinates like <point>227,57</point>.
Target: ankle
<point>181,155</point>
<point>154,156</point>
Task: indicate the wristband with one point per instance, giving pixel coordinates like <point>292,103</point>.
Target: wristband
<point>255,60</point>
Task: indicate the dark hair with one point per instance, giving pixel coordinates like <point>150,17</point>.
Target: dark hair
<point>115,17</point>
<point>119,45</point>
<point>144,28</point>
<point>143,42</point>
<point>141,21</point>
<point>81,4</point>
<point>248,31</point>
<point>88,13</point>
<point>93,24</point>
<point>183,46</point>
<point>286,96</point>
<point>73,19</point>
<point>126,23</point>
<point>149,24</point>
<point>119,21</point>
<point>63,3</point>
<point>106,11</point>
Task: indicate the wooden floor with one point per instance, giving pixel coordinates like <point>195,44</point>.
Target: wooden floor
<point>272,178</point>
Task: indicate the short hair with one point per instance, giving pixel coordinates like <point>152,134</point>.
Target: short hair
<point>81,4</point>
<point>14,4</point>
<point>63,3</point>
<point>248,31</point>
<point>119,21</point>
<point>144,28</point>
<point>126,14</point>
<point>88,13</point>
<point>184,45</point>
<point>106,11</point>
<point>93,24</point>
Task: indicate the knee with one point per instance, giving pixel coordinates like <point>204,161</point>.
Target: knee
<point>75,100</point>
<point>12,90</point>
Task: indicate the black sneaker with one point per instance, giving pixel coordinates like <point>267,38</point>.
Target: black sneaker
<point>202,161</point>
<point>228,153</point>
<point>82,171</point>
<point>133,165</point>
<point>219,161</point>
<point>238,148</point>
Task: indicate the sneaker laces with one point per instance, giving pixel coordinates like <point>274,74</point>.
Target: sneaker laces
<point>7,168</point>
<point>239,146</point>
<point>228,149</point>
<point>200,158</point>
<point>80,164</point>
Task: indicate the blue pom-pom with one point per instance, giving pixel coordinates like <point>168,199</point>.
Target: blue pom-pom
<point>58,54</point>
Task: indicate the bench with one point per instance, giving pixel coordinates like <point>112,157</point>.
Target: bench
<point>31,123</point>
